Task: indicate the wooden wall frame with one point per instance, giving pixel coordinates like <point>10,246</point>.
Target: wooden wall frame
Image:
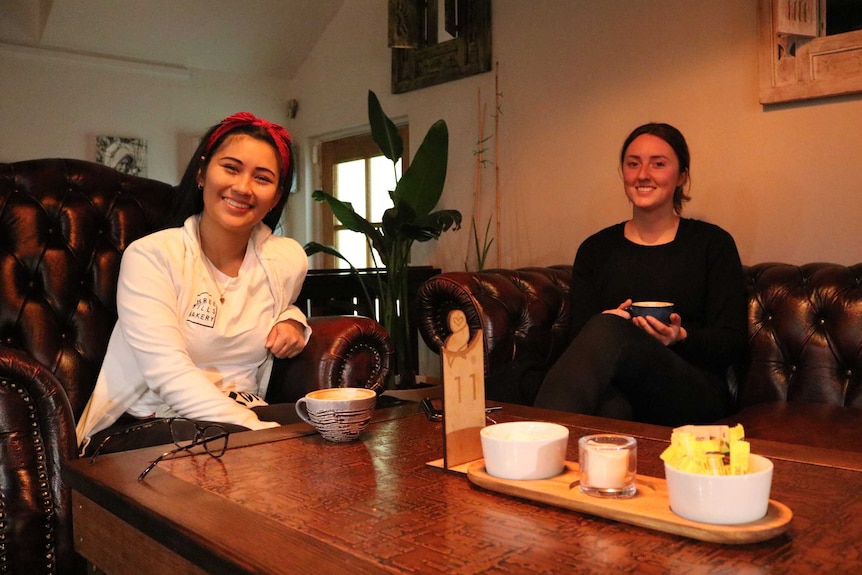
<point>798,61</point>
<point>434,63</point>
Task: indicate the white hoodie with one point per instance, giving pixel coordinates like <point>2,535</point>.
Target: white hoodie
<point>168,355</point>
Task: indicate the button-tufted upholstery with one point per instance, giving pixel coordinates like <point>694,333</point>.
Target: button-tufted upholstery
<point>63,227</point>
<point>805,334</point>
<point>522,312</point>
<point>805,331</point>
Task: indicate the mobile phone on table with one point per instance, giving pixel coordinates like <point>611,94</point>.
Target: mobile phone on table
<point>433,408</point>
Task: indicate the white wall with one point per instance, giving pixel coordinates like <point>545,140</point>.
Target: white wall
<point>54,105</point>
<point>576,77</point>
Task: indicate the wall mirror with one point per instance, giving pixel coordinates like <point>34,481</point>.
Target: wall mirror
<point>436,41</point>
<point>809,49</point>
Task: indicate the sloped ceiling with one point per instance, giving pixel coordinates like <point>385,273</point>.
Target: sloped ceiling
<point>268,37</point>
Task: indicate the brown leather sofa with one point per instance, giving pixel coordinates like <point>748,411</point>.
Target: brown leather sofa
<point>801,383</point>
<point>63,227</point>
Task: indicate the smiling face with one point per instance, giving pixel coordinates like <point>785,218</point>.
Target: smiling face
<point>240,183</point>
<point>651,173</point>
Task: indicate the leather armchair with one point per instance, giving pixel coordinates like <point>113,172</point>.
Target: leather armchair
<point>802,381</point>
<point>63,227</point>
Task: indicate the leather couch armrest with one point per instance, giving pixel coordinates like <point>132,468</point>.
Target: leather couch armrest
<point>343,351</point>
<point>522,312</point>
<point>37,433</point>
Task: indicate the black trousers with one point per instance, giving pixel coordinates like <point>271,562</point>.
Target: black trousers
<point>614,369</point>
<point>160,433</point>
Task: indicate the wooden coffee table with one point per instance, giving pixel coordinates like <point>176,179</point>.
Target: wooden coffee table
<point>286,501</point>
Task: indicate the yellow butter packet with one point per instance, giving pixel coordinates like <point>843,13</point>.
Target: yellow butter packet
<point>736,433</point>
<point>739,452</point>
<point>708,449</point>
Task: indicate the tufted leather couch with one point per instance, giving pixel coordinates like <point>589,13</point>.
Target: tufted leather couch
<point>63,227</point>
<point>801,383</point>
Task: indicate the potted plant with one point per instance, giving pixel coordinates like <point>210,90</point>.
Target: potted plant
<point>409,220</point>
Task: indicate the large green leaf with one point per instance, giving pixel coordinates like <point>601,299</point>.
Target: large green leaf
<point>431,226</point>
<point>421,185</point>
<point>394,221</point>
<point>398,214</point>
<point>443,220</point>
<point>405,224</point>
<point>344,212</point>
<point>312,248</point>
<point>383,130</point>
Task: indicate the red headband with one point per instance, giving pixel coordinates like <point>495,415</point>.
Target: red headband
<point>279,134</point>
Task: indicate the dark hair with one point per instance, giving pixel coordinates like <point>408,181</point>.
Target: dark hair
<point>189,197</point>
<point>676,141</point>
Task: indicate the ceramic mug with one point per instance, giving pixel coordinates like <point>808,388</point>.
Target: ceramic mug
<point>660,310</point>
<point>338,413</point>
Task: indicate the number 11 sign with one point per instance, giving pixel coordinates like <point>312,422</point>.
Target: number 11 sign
<point>463,393</point>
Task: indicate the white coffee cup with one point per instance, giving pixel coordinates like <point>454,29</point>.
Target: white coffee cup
<point>338,413</point>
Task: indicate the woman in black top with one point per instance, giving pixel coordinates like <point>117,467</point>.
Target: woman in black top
<point>640,368</point>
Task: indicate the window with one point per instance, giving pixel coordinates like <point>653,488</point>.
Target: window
<point>353,170</point>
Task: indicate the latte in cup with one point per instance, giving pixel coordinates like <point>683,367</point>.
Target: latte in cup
<point>339,413</point>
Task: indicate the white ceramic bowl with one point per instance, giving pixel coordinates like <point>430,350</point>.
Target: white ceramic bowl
<point>721,499</point>
<point>524,449</point>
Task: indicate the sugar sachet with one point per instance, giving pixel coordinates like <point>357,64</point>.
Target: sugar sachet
<point>708,449</point>
<point>739,452</point>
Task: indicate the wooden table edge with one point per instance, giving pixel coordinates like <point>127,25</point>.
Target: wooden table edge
<point>192,525</point>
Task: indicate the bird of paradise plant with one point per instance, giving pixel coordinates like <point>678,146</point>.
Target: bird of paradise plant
<point>409,220</point>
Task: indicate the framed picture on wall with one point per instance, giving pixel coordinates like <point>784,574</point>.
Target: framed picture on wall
<point>127,155</point>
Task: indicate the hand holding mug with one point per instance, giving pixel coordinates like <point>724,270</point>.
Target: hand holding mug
<point>659,320</point>
<point>623,310</point>
<point>656,318</point>
<point>667,333</point>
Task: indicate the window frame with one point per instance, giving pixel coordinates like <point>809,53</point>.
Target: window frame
<point>346,149</point>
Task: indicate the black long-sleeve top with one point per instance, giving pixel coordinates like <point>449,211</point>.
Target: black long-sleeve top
<point>699,271</point>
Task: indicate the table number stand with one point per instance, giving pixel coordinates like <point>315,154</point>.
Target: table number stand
<point>463,393</point>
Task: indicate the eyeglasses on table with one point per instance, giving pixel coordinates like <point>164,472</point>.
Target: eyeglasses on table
<point>211,436</point>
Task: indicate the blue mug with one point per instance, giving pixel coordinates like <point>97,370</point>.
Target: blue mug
<point>660,310</point>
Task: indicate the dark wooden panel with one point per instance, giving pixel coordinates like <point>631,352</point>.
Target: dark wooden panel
<point>117,547</point>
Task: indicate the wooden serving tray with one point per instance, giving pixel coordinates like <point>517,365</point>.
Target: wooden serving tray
<point>648,508</point>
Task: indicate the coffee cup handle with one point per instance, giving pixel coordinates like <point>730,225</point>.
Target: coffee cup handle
<point>302,410</point>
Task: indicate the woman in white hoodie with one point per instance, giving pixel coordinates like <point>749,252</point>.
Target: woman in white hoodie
<point>204,306</point>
